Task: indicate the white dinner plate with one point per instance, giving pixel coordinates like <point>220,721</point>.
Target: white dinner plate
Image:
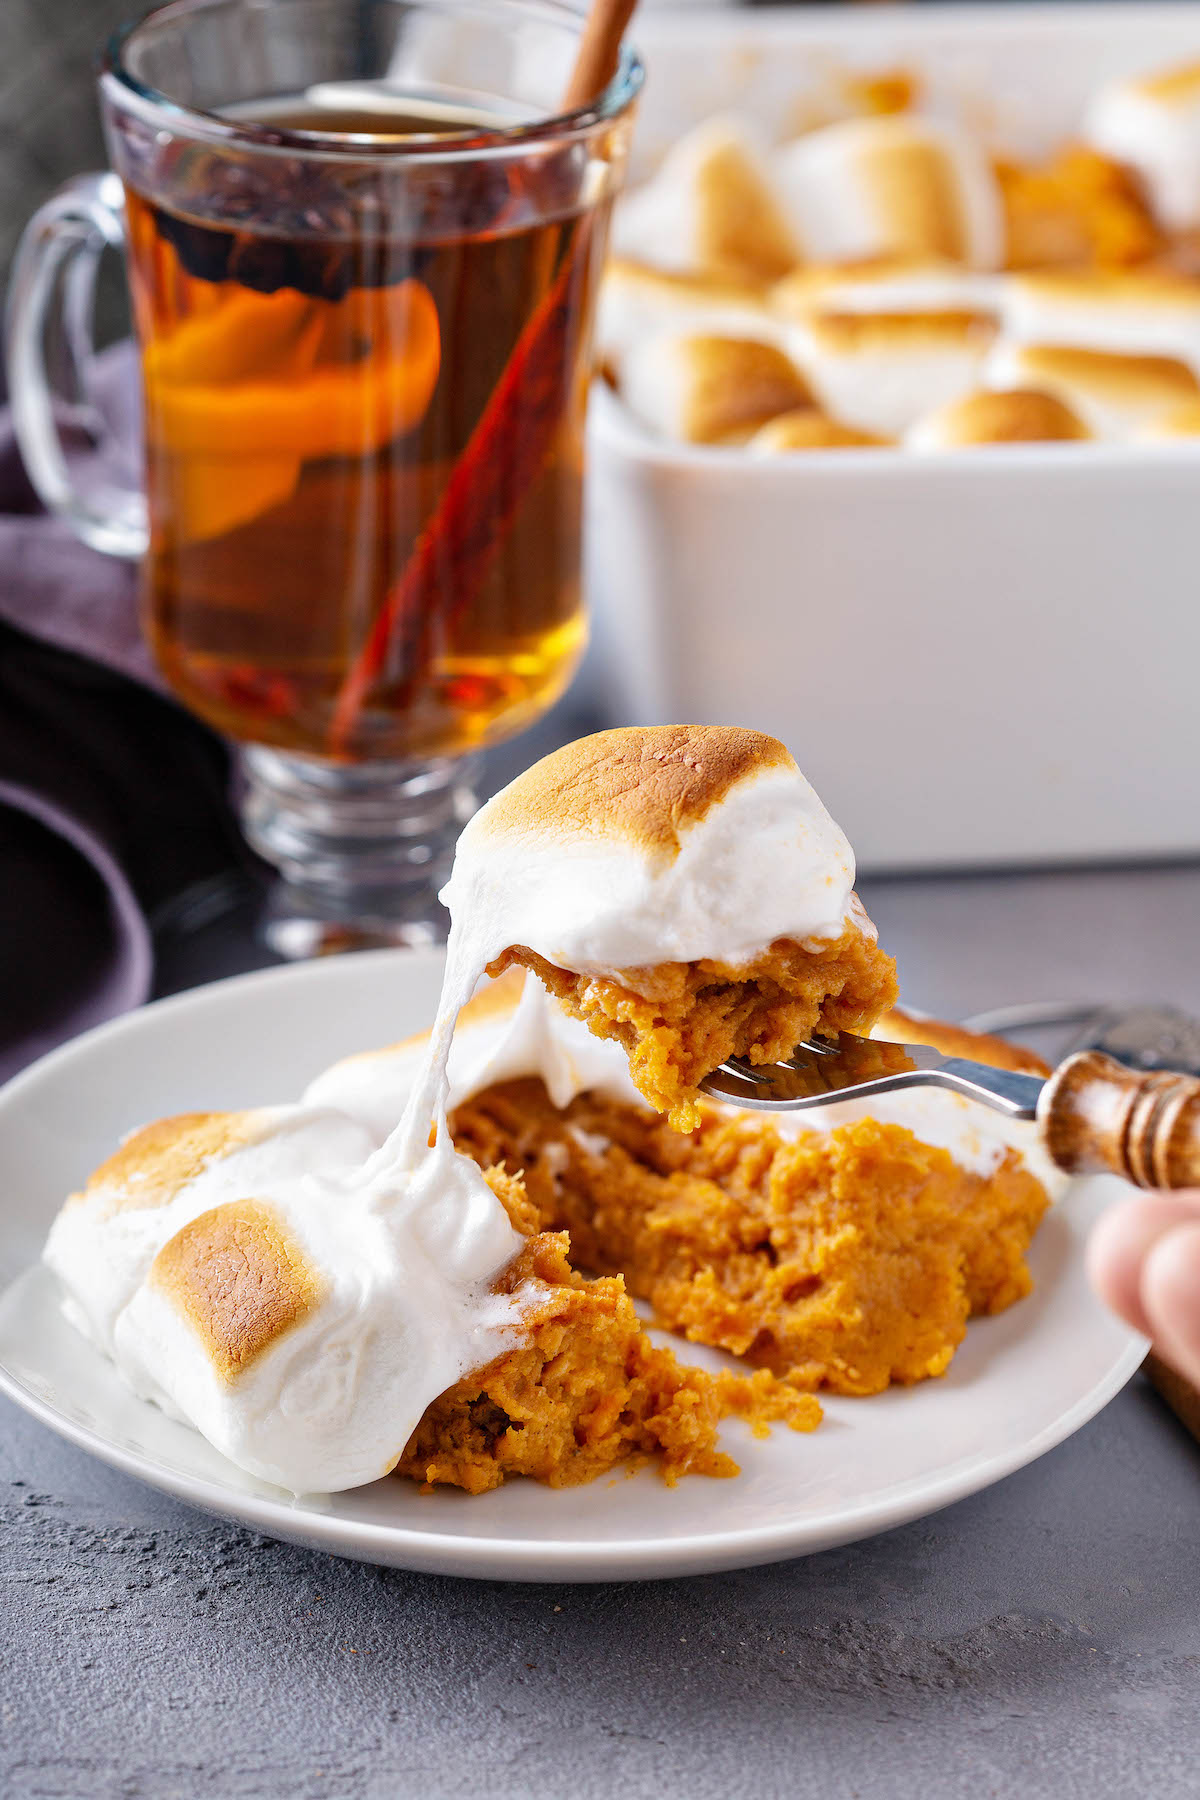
<point>1020,1384</point>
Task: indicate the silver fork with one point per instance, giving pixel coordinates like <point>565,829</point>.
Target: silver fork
<point>1092,1113</point>
<point>821,1071</point>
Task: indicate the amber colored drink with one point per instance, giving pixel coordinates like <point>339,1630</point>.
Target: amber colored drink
<point>364,455</point>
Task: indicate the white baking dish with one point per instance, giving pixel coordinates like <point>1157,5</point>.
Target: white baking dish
<point>980,657</point>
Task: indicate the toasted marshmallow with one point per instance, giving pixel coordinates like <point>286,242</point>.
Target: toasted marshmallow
<point>879,372</point>
<point>637,303</point>
<point>809,429</point>
<point>297,1294</point>
<point>989,416</point>
<point>895,186</point>
<point>1114,394</point>
<point>703,390</point>
<point>643,846</point>
<point>162,1177</point>
<point>1143,312</point>
<point>709,209</point>
<point>1152,124</point>
<point>512,1031</point>
<point>1180,424</point>
<point>509,1030</point>
<point>888,284</point>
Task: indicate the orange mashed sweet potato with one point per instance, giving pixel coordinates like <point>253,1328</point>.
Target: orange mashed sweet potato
<point>585,1389</point>
<point>847,1260</point>
<point>678,1021</point>
<point>1081,210</point>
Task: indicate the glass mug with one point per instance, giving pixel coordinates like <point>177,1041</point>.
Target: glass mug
<point>362,247</point>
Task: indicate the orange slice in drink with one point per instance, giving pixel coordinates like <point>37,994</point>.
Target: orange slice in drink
<point>240,398</point>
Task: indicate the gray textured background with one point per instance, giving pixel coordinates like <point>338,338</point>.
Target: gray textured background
<point>1041,1641</point>
<point>49,127</point>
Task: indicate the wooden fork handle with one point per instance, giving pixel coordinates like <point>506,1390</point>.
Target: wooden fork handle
<point>1098,1116</point>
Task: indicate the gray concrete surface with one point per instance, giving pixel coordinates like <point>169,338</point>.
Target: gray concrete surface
<point>1041,1639</point>
<point>49,126</point>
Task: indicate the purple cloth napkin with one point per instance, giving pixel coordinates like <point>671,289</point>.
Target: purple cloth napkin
<point>113,801</point>
<point>99,960</point>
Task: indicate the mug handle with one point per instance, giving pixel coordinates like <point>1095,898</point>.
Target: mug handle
<point>54,279</point>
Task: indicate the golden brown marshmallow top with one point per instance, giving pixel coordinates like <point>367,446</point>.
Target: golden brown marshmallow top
<point>645,784</point>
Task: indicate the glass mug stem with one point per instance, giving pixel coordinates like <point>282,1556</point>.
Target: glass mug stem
<point>361,848</point>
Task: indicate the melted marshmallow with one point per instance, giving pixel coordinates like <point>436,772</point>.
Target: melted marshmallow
<point>1112,393</point>
<point>891,285</point>
<point>699,389</point>
<point>997,416</point>
<point>880,372</point>
<point>710,208</point>
<point>384,1282</point>
<point>637,303</point>
<point>104,1240</point>
<point>765,861</point>
<point>1134,312</point>
<point>534,1037</point>
<point>529,1036</point>
<point>400,1252</point>
<point>405,1310</point>
<point>895,186</point>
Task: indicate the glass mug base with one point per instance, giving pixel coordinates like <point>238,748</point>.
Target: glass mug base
<point>361,850</point>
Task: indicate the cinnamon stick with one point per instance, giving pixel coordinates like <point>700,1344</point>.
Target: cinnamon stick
<point>503,457</point>
<point>599,51</point>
